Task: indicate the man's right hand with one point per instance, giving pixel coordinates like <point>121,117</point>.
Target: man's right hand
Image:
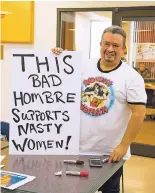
<point>57,51</point>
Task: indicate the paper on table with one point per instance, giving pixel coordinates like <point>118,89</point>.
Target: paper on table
<point>11,180</point>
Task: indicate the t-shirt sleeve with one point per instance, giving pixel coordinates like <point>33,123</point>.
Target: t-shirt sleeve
<point>136,93</point>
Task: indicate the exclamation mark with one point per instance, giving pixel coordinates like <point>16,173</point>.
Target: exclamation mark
<point>68,139</point>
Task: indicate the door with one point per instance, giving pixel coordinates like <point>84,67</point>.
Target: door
<point>81,30</point>
<point>139,25</point>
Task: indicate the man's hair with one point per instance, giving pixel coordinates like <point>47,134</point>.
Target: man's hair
<point>116,30</point>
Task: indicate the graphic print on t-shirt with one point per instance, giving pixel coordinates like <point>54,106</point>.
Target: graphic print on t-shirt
<point>97,96</point>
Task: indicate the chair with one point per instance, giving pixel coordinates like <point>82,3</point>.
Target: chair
<point>5,129</point>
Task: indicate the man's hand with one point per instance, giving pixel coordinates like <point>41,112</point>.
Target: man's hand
<point>136,120</point>
<point>57,50</point>
<point>118,153</point>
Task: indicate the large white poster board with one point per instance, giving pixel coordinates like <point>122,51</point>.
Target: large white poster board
<point>45,103</point>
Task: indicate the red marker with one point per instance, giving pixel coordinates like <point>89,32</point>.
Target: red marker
<point>76,173</point>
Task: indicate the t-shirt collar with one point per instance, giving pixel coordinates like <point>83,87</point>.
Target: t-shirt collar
<point>99,68</point>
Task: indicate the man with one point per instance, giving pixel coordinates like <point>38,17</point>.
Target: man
<point>112,105</point>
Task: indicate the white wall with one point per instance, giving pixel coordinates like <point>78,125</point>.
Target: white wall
<point>97,29</point>
<point>82,34</point>
<point>45,37</point>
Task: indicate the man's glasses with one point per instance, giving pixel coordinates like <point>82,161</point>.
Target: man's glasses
<point>107,45</point>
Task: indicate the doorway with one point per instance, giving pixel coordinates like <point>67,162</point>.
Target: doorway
<point>82,30</point>
<point>139,24</point>
<point>140,28</point>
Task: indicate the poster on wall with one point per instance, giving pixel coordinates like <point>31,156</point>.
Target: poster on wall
<point>145,51</point>
<point>45,103</point>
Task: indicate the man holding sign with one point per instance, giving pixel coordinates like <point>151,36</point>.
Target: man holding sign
<point>113,102</point>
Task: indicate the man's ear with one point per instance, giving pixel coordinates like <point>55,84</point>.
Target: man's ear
<point>125,50</point>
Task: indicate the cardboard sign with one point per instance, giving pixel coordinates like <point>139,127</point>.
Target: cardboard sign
<point>45,103</point>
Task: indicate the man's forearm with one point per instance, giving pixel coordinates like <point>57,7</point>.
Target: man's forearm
<point>133,128</point>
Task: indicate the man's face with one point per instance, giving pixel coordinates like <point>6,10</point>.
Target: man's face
<point>111,48</point>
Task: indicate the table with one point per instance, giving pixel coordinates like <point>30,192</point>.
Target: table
<point>44,167</point>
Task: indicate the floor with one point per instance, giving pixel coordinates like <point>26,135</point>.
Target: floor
<point>139,175</point>
<point>147,132</point>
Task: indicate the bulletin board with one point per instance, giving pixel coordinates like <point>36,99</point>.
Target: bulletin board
<point>18,27</point>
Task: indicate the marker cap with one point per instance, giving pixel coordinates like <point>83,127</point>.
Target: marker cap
<point>84,174</point>
<point>79,162</point>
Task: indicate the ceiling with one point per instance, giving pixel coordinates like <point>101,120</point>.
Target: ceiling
<point>109,3</point>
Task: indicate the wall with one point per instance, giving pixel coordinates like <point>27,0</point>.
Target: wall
<point>97,29</point>
<point>45,38</point>
<point>126,27</point>
<point>82,34</point>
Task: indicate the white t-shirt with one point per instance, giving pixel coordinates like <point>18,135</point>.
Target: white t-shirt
<point>105,112</point>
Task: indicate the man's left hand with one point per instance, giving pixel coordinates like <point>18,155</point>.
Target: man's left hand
<point>118,153</point>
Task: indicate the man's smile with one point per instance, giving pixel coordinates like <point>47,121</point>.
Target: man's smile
<point>109,54</point>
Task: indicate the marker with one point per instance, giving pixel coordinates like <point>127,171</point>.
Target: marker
<point>75,173</point>
<point>59,173</point>
<point>105,160</point>
<point>79,162</point>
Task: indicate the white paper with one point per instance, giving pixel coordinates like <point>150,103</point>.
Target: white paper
<point>1,158</point>
<point>145,51</point>
<point>11,180</point>
<point>5,12</point>
<point>53,91</point>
